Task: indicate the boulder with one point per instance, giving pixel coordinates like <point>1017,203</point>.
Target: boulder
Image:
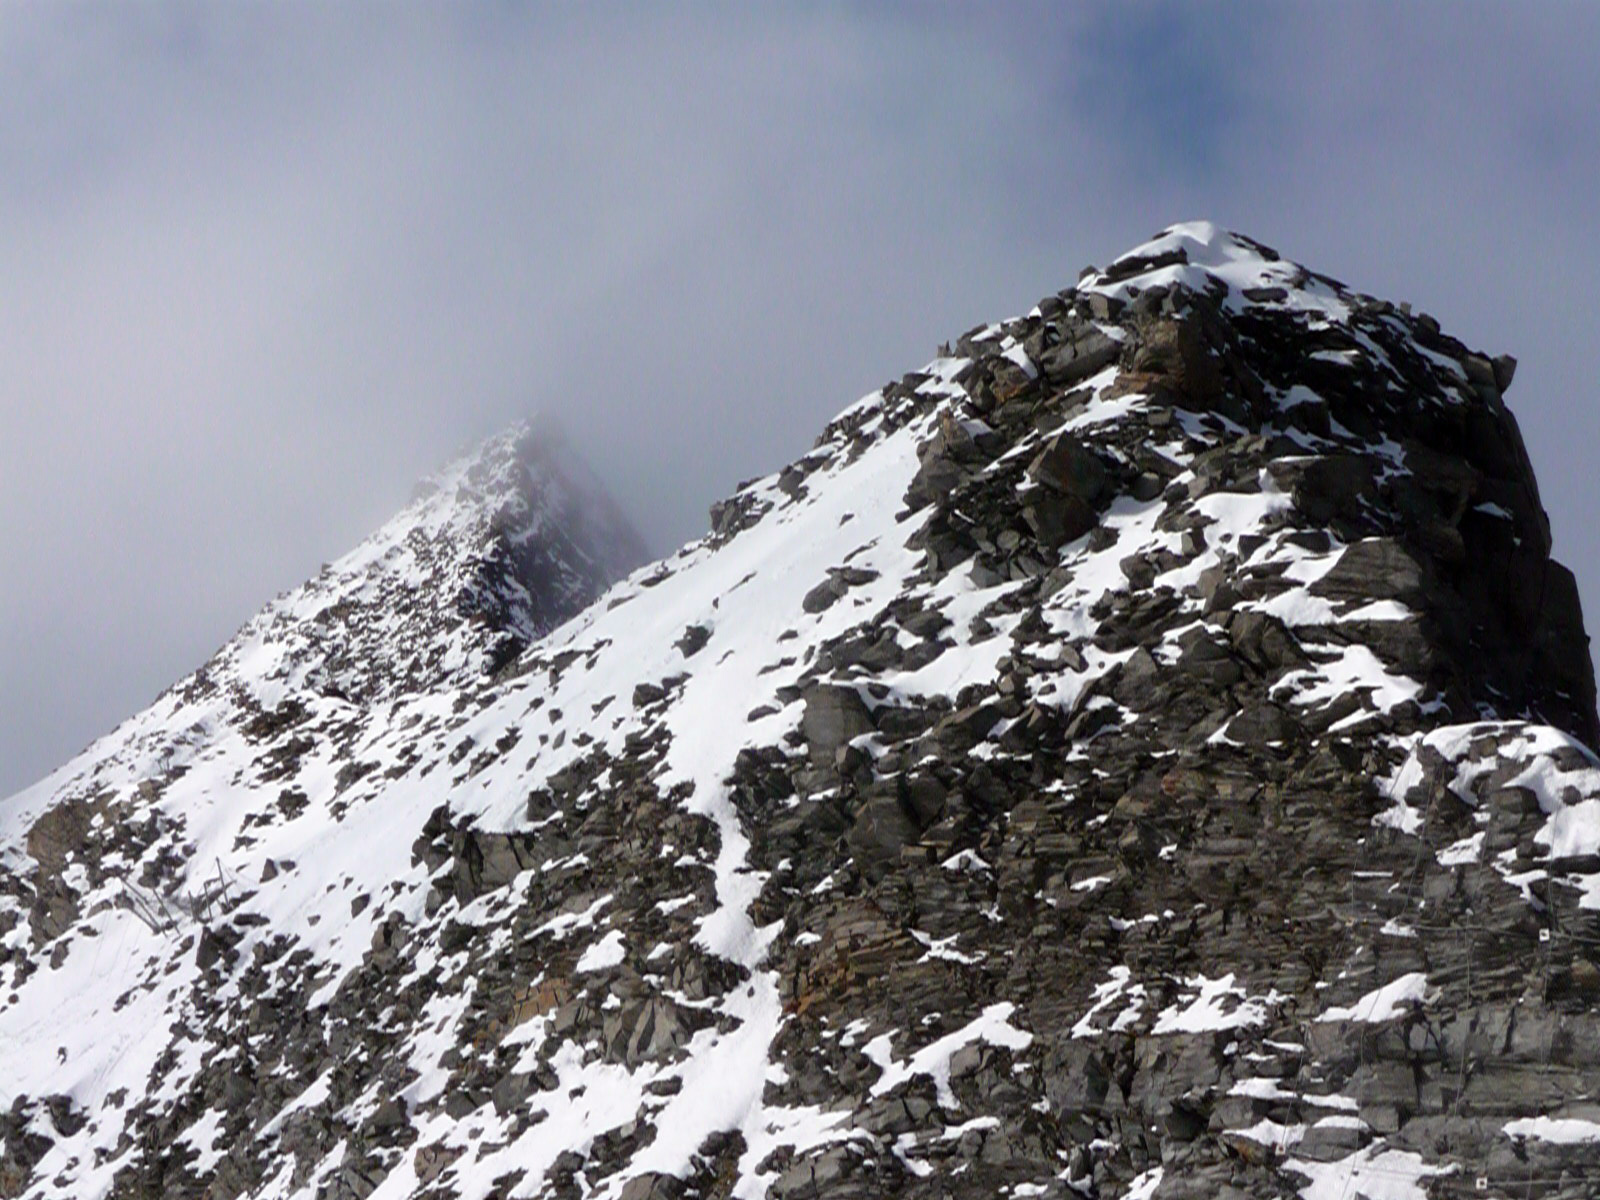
<point>1075,359</point>
<point>833,716</point>
<point>882,828</point>
<point>1175,349</point>
<point>1374,569</point>
<point>1328,486</point>
<point>1067,466</point>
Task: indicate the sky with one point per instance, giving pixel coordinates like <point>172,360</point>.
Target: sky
<point>263,266</point>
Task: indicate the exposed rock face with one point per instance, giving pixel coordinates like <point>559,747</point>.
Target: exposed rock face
<point>1146,753</point>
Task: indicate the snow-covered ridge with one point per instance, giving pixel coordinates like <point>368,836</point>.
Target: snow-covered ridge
<point>500,546</point>
<point>1010,797</point>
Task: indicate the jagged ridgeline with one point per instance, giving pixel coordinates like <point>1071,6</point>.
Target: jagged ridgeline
<point>1148,752</point>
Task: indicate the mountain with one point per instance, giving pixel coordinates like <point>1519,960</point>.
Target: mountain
<point>1148,752</point>
<point>495,551</point>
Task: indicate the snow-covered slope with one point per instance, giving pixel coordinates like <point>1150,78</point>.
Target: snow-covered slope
<point>501,546</point>
<point>497,549</point>
<point>1146,752</point>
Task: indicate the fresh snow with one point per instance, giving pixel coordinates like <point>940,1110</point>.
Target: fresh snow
<point>1566,1131</point>
<point>1392,1000</point>
<point>1215,1004</point>
<point>1373,1173</point>
<point>992,1026</point>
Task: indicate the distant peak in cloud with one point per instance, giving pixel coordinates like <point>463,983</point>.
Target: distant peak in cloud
<point>502,545</point>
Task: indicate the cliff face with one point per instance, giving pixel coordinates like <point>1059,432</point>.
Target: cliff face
<point>1147,752</point>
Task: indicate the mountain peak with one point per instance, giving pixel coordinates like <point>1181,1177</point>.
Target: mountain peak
<point>1235,270</point>
<point>494,468</point>
<point>1200,244</point>
<point>1139,754</point>
<point>503,544</point>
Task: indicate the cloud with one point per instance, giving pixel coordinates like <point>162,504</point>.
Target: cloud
<point>263,266</point>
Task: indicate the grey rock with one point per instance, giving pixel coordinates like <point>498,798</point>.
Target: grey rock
<point>1374,569</point>
<point>833,715</point>
<point>1088,352</point>
<point>1067,466</point>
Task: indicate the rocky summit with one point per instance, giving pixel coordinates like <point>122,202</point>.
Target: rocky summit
<point>1148,753</point>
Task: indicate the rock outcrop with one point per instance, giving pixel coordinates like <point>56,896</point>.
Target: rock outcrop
<point>1149,752</point>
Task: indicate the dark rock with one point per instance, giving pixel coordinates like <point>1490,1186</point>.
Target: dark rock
<point>1265,642</point>
<point>1131,265</point>
<point>1086,353</point>
<point>1260,724</point>
<point>946,458</point>
<point>1328,486</point>
<point>882,828</point>
<point>821,597</point>
<point>1056,520</point>
<point>1176,350</point>
<point>1067,466</point>
<point>1374,569</point>
<point>693,640</point>
<point>966,727</point>
<point>1067,911</point>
